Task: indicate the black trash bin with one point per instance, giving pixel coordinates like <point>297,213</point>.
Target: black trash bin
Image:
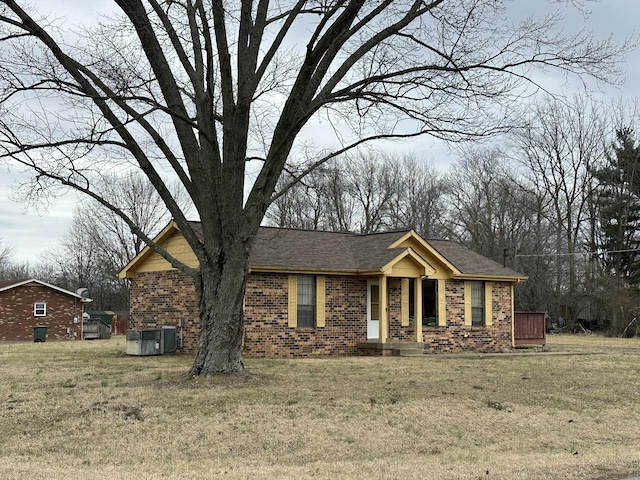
<point>40,333</point>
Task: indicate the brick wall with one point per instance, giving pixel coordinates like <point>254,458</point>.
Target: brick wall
<point>456,337</point>
<point>398,333</point>
<point>165,298</point>
<point>162,298</point>
<point>267,333</point>
<point>17,318</point>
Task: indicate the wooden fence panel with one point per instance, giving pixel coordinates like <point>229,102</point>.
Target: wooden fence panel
<point>530,328</point>
<point>119,324</point>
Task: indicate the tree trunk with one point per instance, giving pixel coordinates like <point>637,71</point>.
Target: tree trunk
<point>221,297</point>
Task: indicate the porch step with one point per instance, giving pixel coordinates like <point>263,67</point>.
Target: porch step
<point>397,349</point>
<point>407,352</point>
<point>409,349</point>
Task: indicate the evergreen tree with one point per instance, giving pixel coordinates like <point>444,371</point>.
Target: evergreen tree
<point>619,205</point>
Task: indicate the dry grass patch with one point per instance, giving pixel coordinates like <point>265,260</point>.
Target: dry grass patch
<point>86,410</point>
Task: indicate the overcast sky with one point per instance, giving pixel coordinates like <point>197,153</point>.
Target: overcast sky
<point>29,232</point>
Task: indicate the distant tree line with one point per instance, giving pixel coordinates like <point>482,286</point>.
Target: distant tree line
<point>558,201</point>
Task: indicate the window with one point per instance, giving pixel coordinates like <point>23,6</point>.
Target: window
<point>429,314</point>
<point>477,304</point>
<point>429,303</point>
<point>412,298</point>
<point>375,302</point>
<point>433,306</point>
<point>306,301</point>
<point>40,309</point>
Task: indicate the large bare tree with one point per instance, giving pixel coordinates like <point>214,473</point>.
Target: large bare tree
<point>137,197</point>
<point>562,147</point>
<point>98,243</point>
<point>5,259</point>
<point>493,210</point>
<point>207,91</point>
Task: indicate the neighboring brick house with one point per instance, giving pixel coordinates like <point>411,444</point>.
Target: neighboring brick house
<point>329,293</point>
<point>28,303</point>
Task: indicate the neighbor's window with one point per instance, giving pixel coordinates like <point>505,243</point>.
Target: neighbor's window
<point>477,304</point>
<point>40,309</point>
<point>306,301</point>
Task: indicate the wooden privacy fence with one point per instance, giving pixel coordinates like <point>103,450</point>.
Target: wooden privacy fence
<point>119,324</point>
<point>529,329</point>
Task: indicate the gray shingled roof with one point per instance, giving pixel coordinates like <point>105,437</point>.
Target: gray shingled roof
<point>470,262</point>
<point>287,249</point>
<point>322,251</point>
<point>313,250</point>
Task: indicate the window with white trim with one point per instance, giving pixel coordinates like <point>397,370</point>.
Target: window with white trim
<point>40,309</point>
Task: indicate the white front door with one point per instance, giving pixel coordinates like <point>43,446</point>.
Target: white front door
<point>373,310</point>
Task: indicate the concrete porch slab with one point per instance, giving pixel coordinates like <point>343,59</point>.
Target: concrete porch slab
<point>396,349</point>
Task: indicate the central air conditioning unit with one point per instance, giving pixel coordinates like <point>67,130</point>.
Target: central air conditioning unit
<point>144,341</point>
<point>169,339</point>
<point>151,341</point>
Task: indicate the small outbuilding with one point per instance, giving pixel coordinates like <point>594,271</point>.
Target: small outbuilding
<point>25,304</point>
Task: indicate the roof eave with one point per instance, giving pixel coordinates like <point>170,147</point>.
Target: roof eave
<point>320,271</point>
<point>496,278</point>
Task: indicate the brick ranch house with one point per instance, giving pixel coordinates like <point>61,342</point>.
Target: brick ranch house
<point>326,293</point>
<point>27,303</point>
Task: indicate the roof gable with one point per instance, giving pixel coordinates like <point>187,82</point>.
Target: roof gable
<point>10,284</point>
<point>412,240</point>
<point>408,264</point>
<point>147,254</point>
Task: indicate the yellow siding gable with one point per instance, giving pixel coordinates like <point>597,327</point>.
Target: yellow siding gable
<point>407,267</point>
<point>411,242</point>
<point>176,246</point>
<point>441,270</point>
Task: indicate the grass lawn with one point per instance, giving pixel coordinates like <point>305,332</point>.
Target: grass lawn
<point>85,410</point>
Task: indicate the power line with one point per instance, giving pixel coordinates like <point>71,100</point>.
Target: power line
<point>574,253</point>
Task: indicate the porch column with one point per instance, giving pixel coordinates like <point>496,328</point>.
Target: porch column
<point>513,313</point>
<point>383,325</point>
<point>417,313</point>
